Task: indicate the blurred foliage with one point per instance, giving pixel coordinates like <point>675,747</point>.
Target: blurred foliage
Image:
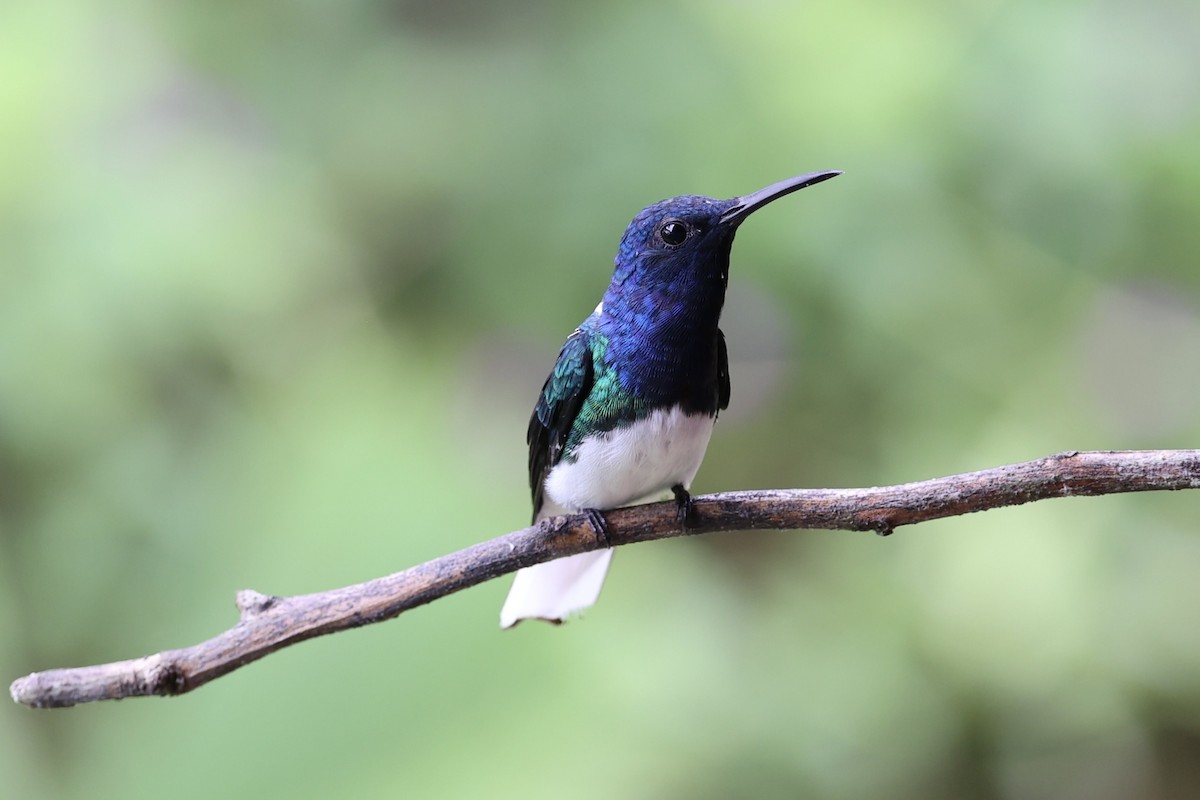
<point>282,279</point>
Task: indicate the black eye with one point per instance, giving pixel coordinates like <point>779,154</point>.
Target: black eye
<point>673,232</point>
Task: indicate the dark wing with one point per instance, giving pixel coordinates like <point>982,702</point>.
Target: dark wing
<point>562,396</point>
<point>722,372</point>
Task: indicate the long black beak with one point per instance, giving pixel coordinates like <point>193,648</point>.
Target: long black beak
<point>747,205</point>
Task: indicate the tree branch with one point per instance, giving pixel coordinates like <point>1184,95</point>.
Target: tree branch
<point>270,623</point>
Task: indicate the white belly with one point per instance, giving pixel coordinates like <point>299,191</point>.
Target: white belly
<point>636,463</point>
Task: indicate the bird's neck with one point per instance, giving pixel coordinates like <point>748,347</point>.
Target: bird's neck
<point>662,339</point>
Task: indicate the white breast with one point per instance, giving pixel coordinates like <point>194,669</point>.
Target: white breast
<point>637,463</point>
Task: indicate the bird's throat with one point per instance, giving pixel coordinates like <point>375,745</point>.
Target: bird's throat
<point>663,349</point>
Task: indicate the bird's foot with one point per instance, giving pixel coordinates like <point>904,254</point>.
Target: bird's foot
<point>684,507</point>
<point>598,524</point>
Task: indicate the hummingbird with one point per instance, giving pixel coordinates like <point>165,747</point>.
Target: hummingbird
<point>627,412</point>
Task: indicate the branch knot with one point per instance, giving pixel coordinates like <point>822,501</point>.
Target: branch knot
<point>251,603</point>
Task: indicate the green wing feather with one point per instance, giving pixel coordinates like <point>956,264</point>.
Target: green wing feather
<point>563,394</point>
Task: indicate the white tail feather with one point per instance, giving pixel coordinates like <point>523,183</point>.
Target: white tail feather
<point>556,589</point>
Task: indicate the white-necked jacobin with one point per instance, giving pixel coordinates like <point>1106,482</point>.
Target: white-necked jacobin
<point>627,411</point>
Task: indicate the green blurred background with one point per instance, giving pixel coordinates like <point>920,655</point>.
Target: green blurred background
<point>281,280</point>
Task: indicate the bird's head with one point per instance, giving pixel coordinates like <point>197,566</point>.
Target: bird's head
<point>685,241</point>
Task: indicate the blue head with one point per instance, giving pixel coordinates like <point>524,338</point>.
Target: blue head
<point>663,305</point>
<point>676,252</point>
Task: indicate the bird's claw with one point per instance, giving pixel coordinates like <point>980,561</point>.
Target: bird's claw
<point>598,524</point>
<point>684,507</point>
